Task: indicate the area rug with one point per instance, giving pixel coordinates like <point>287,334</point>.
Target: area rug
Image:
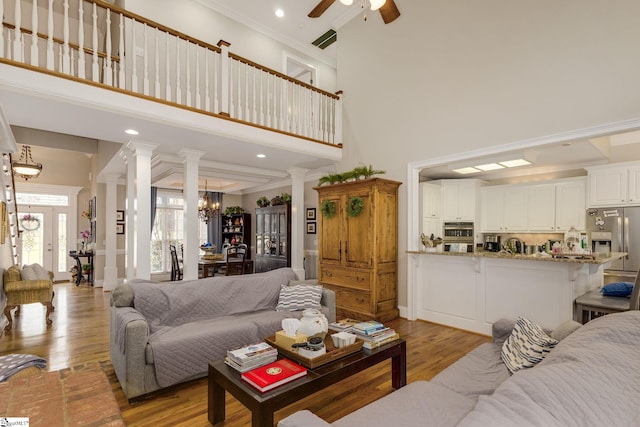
<point>76,396</point>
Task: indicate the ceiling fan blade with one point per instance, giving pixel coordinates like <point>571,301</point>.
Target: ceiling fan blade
<point>320,8</point>
<point>389,11</point>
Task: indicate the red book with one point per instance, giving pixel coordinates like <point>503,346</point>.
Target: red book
<point>274,374</point>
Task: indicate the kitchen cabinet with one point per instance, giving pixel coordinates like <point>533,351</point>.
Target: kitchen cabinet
<point>431,200</point>
<point>460,199</point>
<point>273,238</point>
<point>358,255</point>
<point>504,209</point>
<point>571,205</point>
<point>617,185</point>
<point>541,207</point>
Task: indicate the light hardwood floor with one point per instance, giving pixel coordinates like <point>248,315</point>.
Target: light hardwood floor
<point>80,334</point>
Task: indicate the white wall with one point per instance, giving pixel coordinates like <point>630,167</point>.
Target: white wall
<point>449,77</point>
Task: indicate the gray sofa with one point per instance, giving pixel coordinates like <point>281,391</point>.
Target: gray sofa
<point>590,378</point>
<point>167,333</point>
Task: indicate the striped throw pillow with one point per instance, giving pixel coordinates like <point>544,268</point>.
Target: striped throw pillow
<point>527,345</point>
<point>299,297</point>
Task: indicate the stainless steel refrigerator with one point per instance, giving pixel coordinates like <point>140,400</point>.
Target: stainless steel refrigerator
<point>616,230</point>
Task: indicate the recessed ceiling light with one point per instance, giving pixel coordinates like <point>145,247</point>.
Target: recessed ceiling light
<point>261,156</point>
<point>465,171</point>
<point>489,167</point>
<point>131,131</point>
<point>279,13</point>
<point>514,163</point>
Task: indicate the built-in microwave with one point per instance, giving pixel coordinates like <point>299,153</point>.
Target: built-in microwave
<point>458,236</point>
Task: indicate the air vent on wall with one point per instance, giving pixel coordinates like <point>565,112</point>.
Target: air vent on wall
<point>326,39</point>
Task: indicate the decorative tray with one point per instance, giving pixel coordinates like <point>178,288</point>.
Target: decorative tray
<point>333,352</point>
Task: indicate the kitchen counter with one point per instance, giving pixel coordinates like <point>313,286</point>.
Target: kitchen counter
<point>600,258</point>
<point>473,290</point>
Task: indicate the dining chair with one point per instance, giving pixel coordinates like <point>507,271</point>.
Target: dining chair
<point>595,302</point>
<point>235,263</point>
<point>176,271</point>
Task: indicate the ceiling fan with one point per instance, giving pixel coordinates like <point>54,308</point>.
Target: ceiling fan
<point>388,9</point>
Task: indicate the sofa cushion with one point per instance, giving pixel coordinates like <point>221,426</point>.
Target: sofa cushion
<point>41,272</point>
<point>122,296</point>
<point>28,273</point>
<point>617,289</point>
<point>299,297</point>
<point>527,345</point>
<point>418,404</point>
<point>565,329</point>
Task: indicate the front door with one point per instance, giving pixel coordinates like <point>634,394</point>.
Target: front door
<point>43,239</point>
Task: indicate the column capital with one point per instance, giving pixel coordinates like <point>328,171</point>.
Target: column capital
<point>297,172</point>
<point>141,147</point>
<point>189,155</point>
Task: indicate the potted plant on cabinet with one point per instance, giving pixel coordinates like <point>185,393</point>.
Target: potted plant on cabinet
<point>263,202</point>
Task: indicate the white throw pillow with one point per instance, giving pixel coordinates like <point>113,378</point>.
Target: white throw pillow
<point>527,345</point>
<point>41,272</point>
<point>28,273</point>
<point>299,297</point>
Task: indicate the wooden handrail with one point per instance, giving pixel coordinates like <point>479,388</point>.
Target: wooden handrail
<point>59,41</point>
<point>282,76</point>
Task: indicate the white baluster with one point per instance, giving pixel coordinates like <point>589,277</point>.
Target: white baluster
<point>337,117</point>
<point>72,61</point>
<point>247,113</point>
<point>1,29</point>
<point>59,58</point>
<point>254,118</point>
<point>274,109</point>
<point>216,95</point>
<point>188,71</point>
<point>34,33</point>
<point>239,93</point>
<point>108,70</point>
<point>261,106</point>
<point>122,75</point>
<point>178,86</point>
<point>134,58</point>
<point>285,105</point>
<point>9,53</point>
<point>167,77</point>
<point>145,62</point>
<point>95,68</point>
<point>207,98</point>
<point>81,70</point>
<point>66,66</point>
<point>17,35</point>
<point>225,83</point>
<point>156,87</point>
<point>198,105</point>
<point>232,106</point>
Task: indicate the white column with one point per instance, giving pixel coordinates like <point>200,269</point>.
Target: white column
<point>130,246</point>
<point>191,159</point>
<point>297,220</point>
<point>110,246</point>
<point>142,223</point>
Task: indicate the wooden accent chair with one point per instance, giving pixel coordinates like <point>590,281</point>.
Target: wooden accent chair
<point>20,292</point>
<point>176,271</point>
<point>595,302</point>
<point>236,256</point>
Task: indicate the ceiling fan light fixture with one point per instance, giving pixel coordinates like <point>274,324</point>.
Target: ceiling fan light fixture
<point>376,4</point>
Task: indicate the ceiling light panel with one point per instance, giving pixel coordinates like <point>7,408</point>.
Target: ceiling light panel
<point>514,163</point>
<point>466,171</point>
<point>489,167</point>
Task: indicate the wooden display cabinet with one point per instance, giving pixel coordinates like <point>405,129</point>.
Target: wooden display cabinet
<point>273,238</point>
<point>236,227</point>
<point>358,255</point>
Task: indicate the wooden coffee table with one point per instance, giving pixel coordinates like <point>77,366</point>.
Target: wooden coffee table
<point>223,378</point>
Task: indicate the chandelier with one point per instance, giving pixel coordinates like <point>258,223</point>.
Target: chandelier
<point>206,208</point>
<point>25,166</point>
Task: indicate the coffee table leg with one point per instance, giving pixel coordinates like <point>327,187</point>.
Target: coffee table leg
<point>262,417</point>
<point>399,367</point>
<point>216,402</point>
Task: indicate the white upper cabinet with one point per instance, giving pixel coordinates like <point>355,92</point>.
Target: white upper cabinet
<point>459,199</point>
<point>542,207</point>
<point>431,200</point>
<point>571,205</point>
<point>617,185</point>
<point>504,209</point>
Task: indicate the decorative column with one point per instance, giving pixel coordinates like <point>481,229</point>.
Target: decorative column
<point>130,246</point>
<point>191,160</point>
<point>297,220</point>
<point>110,246</point>
<point>142,223</point>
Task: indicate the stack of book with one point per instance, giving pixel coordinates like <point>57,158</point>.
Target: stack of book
<point>373,333</point>
<point>274,374</point>
<point>251,356</point>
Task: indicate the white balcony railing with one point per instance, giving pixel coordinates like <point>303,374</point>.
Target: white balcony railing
<point>95,41</point>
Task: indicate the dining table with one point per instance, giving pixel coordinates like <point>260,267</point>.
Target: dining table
<point>207,264</point>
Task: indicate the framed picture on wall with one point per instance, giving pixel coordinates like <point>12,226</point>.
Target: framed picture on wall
<point>311,228</point>
<point>311,214</point>
<point>92,209</point>
<point>120,216</point>
<point>119,228</point>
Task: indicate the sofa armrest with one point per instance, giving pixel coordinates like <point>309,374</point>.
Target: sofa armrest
<point>329,300</point>
<point>502,328</point>
<point>303,418</point>
<point>129,334</point>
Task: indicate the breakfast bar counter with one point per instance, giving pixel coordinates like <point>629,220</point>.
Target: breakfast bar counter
<point>471,291</point>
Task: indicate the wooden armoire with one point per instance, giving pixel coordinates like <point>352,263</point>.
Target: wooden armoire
<point>358,255</point>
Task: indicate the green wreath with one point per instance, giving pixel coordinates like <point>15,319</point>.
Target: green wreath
<point>355,206</point>
<point>32,221</point>
<point>328,208</point>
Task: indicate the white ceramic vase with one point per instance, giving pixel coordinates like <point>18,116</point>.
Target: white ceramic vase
<point>313,323</point>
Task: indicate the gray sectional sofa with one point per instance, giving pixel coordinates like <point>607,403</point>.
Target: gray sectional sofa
<point>167,333</point>
<point>591,378</point>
